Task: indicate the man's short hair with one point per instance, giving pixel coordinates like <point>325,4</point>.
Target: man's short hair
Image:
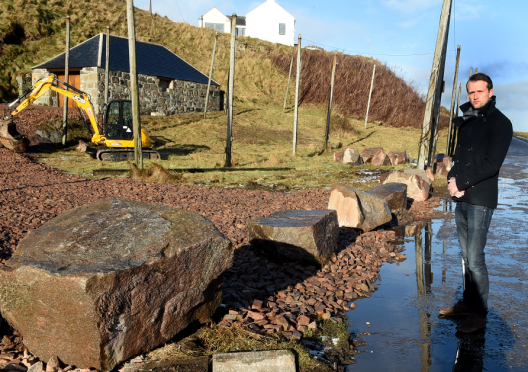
<point>481,77</point>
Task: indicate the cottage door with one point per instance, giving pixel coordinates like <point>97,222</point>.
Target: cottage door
<point>75,81</point>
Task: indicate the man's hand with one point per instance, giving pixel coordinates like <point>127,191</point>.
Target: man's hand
<point>453,189</point>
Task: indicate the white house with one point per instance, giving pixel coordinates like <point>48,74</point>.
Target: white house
<point>269,21</point>
<point>220,22</point>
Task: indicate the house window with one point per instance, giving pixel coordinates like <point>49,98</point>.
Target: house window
<point>215,26</point>
<point>282,28</point>
<point>240,31</point>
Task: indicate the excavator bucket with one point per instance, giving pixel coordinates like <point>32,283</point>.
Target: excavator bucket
<point>10,138</point>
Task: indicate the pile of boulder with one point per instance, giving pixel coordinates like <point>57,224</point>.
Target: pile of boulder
<point>375,155</point>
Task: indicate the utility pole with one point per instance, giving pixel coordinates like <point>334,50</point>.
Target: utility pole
<point>297,81</point>
<point>329,114</point>
<point>67,81</point>
<point>150,7</point>
<point>435,81</point>
<point>470,75</point>
<point>370,95</point>
<point>107,65</point>
<point>230,94</point>
<point>210,76</point>
<point>288,85</point>
<point>134,94</point>
<point>453,97</point>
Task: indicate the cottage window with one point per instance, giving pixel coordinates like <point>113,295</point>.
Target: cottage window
<point>215,26</point>
<point>240,31</point>
<point>282,28</point>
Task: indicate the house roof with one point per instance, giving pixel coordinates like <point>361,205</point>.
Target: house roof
<point>151,59</point>
<point>241,20</point>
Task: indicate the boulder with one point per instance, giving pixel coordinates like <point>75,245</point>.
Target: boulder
<point>448,161</point>
<point>394,194</point>
<point>357,208</point>
<point>417,187</point>
<point>426,175</point>
<point>255,361</point>
<point>351,157</point>
<point>296,235</point>
<point>380,158</point>
<point>369,153</point>
<point>441,169</point>
<point>398,157</point>
<point>101,283</point>
<point>338,156</point>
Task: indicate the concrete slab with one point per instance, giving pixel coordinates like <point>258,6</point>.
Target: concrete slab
<point>255,361</point>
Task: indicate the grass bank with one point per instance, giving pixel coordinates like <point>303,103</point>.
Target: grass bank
<point>262,137</point>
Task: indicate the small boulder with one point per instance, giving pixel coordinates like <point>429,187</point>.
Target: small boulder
<point>398,157</point>
<point>394,194</point>
<point>380,159</point>
<point>426,175</point>
<point>351,157</point>
<point>417,187</point>
<point>448,161</point>
<point>101,283</point>
<point>255,361</point>
<point>441,169</point>
<point>296,235</point>
<point>369,153</point>
<point>357,208</point>
<point>338,156</point>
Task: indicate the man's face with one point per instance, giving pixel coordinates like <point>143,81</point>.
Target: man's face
<point>479,94</point>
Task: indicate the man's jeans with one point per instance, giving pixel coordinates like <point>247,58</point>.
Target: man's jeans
<point>473,222</point>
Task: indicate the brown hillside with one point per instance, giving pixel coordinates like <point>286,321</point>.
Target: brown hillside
<point>394,102</point>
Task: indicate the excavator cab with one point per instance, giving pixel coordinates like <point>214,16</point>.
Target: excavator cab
<point>118,121</point>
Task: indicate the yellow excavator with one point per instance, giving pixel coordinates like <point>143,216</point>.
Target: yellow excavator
<point>114,139</point>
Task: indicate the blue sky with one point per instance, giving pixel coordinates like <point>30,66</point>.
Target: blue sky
<point>491,34</point>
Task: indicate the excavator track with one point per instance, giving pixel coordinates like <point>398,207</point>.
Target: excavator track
<point>113,154</point>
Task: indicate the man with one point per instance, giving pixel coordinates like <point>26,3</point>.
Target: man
<point>484,136</point>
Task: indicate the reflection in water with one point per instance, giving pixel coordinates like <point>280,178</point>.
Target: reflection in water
<point>470,352</point>
<point>424,279</point>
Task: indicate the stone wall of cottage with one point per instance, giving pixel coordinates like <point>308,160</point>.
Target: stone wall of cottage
<point>179,97</point>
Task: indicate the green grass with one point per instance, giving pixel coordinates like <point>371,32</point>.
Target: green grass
<point>262,137</point>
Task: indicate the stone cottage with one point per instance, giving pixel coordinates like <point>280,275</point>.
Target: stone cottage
<point>167,83</point>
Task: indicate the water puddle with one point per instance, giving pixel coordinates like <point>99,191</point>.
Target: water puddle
<point>404,332</point>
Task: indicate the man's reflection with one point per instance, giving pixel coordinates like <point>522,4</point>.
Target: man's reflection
<point>470,352</point>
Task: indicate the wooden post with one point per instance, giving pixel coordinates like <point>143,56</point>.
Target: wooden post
<point>455,129</point>
<point>476,70</point>
<point>107,64</point>
<point>370,95</point>
<point>150,7</point>
<point>288,85</point>
<point>297,82</point>
<point>134,94</point>
<point>210,76</point>
<point>226,94</point>
<point>435,81</point>
<point>453,97</point>
<point>329,114</point>
<point>66,78</point>
<point>470,74</point>
<point>231,88</point>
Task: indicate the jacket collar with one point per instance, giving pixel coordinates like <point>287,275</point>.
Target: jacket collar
<point>469,112</point>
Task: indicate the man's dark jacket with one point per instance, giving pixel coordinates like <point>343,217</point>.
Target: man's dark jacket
<point>482,144</point>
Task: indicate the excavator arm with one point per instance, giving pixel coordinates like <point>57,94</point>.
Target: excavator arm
<point>52,83</point>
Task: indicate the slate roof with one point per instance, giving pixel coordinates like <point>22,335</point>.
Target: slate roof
<point>152,59</point>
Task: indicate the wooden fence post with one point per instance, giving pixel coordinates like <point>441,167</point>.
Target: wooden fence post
<point>134,94</point>
<point>66,77</point>
<point>288,85</point>
<point>453,97</point>
<point>370,94</point>
<point>435,81</point>
<point>470,74</point>
<point>231,88</point>
<point>210,76</point>
<point>329,114</point>
<point>455,129</point>
<point>297,83</point>
<point>107,65</point>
